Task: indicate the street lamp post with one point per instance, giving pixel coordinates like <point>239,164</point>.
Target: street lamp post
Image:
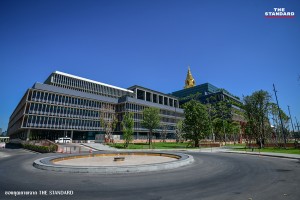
<point>291,121</point>
<point>284,136</point>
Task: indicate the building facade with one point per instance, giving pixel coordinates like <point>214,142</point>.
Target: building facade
<point>68,105</point>
<point>206,93</point>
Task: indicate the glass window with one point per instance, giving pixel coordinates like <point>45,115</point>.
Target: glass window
<point>39,107</point>
<point>38,94</point>
<point>42,95</point>
<point>29,119</point>
<point>34,94</point>
<point>165,100</point>
<point>49,97</point>
<point>31,107</point>
<point>53,97</point>
<point>160,98</point>
<point>43,108</point>
<point>60,99</point>
<point>47,108</point>
<point>170,102</point>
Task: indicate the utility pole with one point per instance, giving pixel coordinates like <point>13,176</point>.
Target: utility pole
<point>284,137</point>
<point>297,125</point>
<point>291,120</point>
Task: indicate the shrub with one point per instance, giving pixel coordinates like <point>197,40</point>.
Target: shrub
<point>40,149</point>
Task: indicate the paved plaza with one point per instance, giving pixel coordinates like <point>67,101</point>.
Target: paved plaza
<point>109,160</point>
<point>213,175</point>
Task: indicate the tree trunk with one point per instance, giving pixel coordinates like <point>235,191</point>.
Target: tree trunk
<point>260,142</point>
<point>150,138</point>
<point>196,142</point>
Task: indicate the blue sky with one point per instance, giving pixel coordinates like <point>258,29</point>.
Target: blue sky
<point>150,43</point>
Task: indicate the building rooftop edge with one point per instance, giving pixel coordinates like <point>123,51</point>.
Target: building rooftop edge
<point>92,81</point>
<point>165,94</point>
<point>193,87</point>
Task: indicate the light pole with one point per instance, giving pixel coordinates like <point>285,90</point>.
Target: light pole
<point>297,126</point>
<point>284,137</point>
<point>291,120</point>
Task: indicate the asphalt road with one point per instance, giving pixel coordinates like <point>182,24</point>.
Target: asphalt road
<point>212,176</point>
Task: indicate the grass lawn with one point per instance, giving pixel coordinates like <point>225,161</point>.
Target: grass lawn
<point>266,149</point>
<point>157,145</point>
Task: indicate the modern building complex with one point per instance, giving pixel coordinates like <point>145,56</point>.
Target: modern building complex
<point>68,105</point>
<point>207,93</point>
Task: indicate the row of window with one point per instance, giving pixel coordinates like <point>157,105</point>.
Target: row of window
<point>60,123</point>
<point>59,99</point>
<point>136,108</point>
<point>156,98</point>
<point>32,121</point>
<point>46,109</point>
<point>60,111</point>
<point>138,126</point>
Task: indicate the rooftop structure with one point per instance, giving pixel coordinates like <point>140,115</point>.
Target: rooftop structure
<point>204,92</point>
<point>189,81</point>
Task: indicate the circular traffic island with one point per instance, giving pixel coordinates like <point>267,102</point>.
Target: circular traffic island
<point>114,163</point>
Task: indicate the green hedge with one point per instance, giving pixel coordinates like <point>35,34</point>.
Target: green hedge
<point>40,149</point>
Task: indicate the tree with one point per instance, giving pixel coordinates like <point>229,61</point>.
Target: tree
<point>179,131</point>
<point>274,115</point>
<point>164,131</point>
<point>150,121</point>
<point>256,111</point>
<point>220,128</point>
<point>109,122</point>
<point>211,112</point>
<point>127,125</point>
<point>233,129</point>
<point>222,116</point>
<point>196,122</point>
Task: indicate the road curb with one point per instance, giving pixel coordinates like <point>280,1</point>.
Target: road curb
<point>47,164</point>
<point>262,154</point>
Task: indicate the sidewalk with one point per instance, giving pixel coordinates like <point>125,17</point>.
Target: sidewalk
<point>99,147</point>
<point>102,147</point>
<point>278,155</point>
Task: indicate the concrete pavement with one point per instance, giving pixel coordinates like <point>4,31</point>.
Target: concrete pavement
<point>99,147</point>
<point>278,155</point>
<point>212,176</point>
<point>102,147</point>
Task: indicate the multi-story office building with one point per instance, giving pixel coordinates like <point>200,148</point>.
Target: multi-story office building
<point>204,92</point>
<point>68,105</point>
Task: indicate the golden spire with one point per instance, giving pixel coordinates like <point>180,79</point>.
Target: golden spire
<point>189,81</point>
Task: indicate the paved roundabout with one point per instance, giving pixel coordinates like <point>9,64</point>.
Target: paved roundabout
<point>210,176</point>
<point>114,163</point>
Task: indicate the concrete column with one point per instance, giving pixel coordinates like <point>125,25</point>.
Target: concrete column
<point>145,95</point>
<point>72,134</point>
<point>28,134</point>
<point>151,97</point>
<point>136,93</point>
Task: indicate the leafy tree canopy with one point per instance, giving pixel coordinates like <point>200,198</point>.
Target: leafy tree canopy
<point>127,125</point>
<point>151,120</point>
<point>196,122</point>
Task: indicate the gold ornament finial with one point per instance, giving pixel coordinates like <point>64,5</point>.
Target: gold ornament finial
<point>189,81</point>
